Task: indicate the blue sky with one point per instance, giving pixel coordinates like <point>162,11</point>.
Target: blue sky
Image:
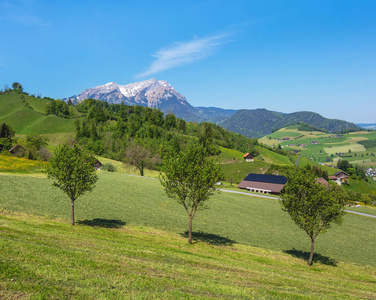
<point>281,55</point>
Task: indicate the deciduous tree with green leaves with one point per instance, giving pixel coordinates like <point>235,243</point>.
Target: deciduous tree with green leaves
<point>73,171</point>
<point>313,206</point>
<point>190,177</point>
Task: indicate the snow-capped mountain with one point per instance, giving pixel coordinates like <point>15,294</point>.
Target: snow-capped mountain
<point>151,93</point>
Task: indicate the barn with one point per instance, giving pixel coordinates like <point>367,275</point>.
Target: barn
<point>262,183</point>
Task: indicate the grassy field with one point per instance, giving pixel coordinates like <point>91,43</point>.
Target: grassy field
<point>327,146</point>
<point>27,120</point>
<point>48,259</point>
<point>242,219</point>
<point>20,165</point>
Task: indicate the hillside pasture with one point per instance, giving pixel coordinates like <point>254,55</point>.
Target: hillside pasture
<point>344,148</point>
<point>20,165</point>
<point>327,145</point>
<point>242,219</point>
<point>110,259</point>
<point>26,120</point>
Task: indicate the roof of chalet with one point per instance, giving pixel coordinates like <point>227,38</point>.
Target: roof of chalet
<point>15,147</point>
<point>266,178</point>
<point>339,173</point>
<point>247,154</point>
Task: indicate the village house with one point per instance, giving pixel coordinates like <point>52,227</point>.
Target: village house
<point>262,183</point>
<point>315,142</point>
<point>17,150</point>
<point>285,139</point>
<point>248,157</point>
<point>339,177</point>
<point>302,145</point>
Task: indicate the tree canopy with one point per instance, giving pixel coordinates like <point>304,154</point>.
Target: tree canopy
<point>313,206</point>
<point>189,178</point>
<point>73,171</point>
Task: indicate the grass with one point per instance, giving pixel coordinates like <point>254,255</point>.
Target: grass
<point>361,186</point>
<point>125,168</point>
<point>327,145</point>
<point>27,120</point>
<point>20,165</point>
<point>238,171</point>
<point>48,259</point>
<point>230,156</point>
<point>139,201</point>
<point>272,157</point>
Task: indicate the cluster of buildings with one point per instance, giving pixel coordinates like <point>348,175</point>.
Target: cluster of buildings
<point>371,173</point>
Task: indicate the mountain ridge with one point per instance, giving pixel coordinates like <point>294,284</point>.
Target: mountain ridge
<point>160,94</point>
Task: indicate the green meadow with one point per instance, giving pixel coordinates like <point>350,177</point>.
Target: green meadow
<point>138,201</point>
<point>345,147</point>
<point>27,119</point>
<point>42,258</point>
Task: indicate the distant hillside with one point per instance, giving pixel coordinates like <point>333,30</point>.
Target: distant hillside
<point>26,114</point>
<point>260,122</point>
<point>367,125</point>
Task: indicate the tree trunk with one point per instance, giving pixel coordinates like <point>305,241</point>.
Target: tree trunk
<point>142,168</point>
<point>190,231</point>
<point>72,213</point>
<point>311,255</point>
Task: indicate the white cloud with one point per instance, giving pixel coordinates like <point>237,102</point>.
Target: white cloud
<point>184,53</point>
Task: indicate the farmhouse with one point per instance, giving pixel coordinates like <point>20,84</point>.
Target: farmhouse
<point>265,184</point>
<point>97,164</point>
<point>248,157</point>
<point>17,150</point>
<point>339,177</point>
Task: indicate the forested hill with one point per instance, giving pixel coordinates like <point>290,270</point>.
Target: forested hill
<point>260,122</point>
<point>110,129</point>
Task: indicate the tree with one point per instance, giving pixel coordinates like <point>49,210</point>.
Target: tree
<point>6,136</point>
<point>190,178</point>
<point>311,205</point>
<point>17,87</point>
<point>36,141</point>
<point>140,157</point>
<point>73,171</point>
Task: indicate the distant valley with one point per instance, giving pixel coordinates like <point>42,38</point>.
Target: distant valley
<point>251,123</point>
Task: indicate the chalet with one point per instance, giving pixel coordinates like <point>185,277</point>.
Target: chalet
<point>339,177</point>
<point>315,142</point>
<point>97,164</point>
<point>302,145</point>
<point>17,150</point>
<point>265,184</point>
<point>295,151</point>
<point>248,157</point>
<point>285,139</point>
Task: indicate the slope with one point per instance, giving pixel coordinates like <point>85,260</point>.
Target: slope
<point>260,122</point>
<point>48,259</point>
<point>25,115</point>
<point>243,219</point>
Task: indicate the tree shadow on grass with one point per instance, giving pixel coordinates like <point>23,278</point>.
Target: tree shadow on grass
<point>212,239</point>
<point>105,223</point>
<point>317,257</point>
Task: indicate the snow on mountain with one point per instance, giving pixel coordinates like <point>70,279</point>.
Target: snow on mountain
<point>152,93</point>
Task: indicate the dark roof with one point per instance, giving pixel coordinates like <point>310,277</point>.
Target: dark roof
<point>266,178</point>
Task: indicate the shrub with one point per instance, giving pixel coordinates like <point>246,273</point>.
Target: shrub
<point>109,167</point>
